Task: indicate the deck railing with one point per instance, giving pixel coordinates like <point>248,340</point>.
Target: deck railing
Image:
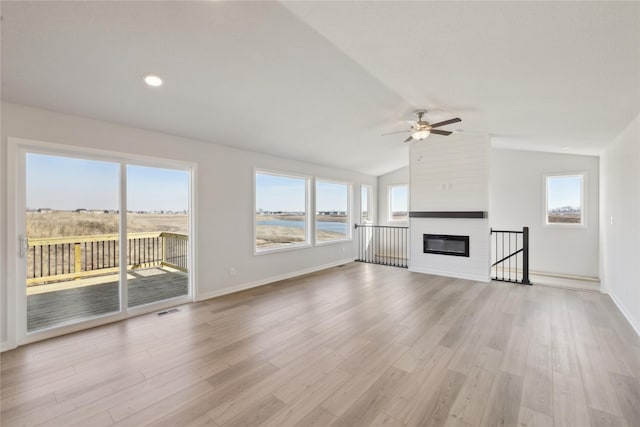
<point>53,259</point>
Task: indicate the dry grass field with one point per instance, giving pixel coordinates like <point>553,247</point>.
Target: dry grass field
<point>564,219</point>
<point>271,235</point>
<point>323,218</point>
<point>63,223</point>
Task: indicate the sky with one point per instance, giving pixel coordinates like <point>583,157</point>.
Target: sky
<point>279,193</point>
<point>64,183</point>
<point>399,201</point>
<point>563,191</point>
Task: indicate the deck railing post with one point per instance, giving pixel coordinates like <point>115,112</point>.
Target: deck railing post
<point>164,248</point>
<point>525,256</point>
<point>78,260</point>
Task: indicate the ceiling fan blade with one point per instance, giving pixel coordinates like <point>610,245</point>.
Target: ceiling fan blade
<point>441,132</point>
<point>446,122</point>
<point>408,139</point>
<point>391,133</point>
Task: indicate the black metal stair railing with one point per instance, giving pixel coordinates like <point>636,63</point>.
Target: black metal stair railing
<point>382,244</point>
<point>510,256</point>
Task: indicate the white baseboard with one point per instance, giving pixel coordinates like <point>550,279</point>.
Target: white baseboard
<point>457,275</point>
<point>244,286</point>
<point>4,346</point>
<point>625,313</point>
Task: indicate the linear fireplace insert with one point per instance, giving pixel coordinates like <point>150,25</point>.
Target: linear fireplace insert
<point>445,244</point>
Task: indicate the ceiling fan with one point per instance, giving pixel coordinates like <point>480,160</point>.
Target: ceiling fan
<point>421,129</point>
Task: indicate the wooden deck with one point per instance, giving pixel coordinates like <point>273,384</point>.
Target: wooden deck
<point>84,300</point>
<point>360,345</point>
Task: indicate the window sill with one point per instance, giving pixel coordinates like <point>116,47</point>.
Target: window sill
<point>333,242</point>
<point>257,252</point>
<point>565,225</point>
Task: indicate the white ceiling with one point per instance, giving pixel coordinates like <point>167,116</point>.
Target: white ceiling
<point>320,81</point>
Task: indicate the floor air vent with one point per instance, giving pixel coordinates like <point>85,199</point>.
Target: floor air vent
<point>173,310</point>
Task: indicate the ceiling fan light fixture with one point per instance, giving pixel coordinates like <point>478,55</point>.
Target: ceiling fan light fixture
<point>420,134</point>
<point>152,80</point>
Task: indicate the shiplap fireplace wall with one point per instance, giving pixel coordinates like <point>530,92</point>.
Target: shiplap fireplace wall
<point>449,195</point>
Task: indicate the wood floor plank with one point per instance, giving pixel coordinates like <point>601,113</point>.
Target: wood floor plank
<point>569,404</point>
<point>605,419</point>
<point>628,393</point>
<point>308,401</point>
<point>256,414</point>
<point>537,393</point>
<point>472,399</point>
<point>530,418</point>
<point>356,345</point>
<point>319,417</point>
<point>503,406</point>
<point>372,402</point>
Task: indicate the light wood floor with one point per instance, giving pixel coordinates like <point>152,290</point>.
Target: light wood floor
<point>358,345</point>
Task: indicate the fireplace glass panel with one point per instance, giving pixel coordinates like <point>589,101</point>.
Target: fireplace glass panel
<point>446,244</point>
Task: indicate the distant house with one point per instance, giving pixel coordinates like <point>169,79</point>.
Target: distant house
<point>45,210</point>
<point>80,210</point>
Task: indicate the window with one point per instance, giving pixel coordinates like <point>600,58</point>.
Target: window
<point>332,211</point>
<point>398,202</point>
<point>564,199</point>
<point>281,211</point>
<point>365,204</point>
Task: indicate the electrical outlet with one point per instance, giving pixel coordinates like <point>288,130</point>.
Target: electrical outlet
<point>232,271</point>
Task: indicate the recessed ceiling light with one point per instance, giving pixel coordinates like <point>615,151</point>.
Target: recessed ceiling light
<point>565,147</point>
<point>152,80</point>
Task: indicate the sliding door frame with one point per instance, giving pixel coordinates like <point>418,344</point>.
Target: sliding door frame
<point>16,304</point>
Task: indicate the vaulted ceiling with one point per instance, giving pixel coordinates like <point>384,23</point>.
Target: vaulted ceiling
<point>320,81</point>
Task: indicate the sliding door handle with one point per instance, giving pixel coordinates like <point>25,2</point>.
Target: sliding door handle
<point>24,245</point>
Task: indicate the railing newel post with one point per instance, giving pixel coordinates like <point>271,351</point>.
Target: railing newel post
<point>525,256</point>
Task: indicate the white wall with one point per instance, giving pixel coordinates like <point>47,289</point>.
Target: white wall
<point>224,196</point>
<point>517,199</point>
<point>399,176</point>
<point>620,222</point>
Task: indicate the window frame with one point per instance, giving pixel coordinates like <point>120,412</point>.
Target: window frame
<point>349,236</point>
<point>369,189</point>
<point>583,200</point>
<point>307,205</point>
<point>390,203</point>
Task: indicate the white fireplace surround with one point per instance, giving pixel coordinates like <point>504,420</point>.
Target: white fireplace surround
<point>449,194</point>
<point>475,267</point>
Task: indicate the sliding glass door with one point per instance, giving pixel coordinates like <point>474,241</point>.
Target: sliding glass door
<point>100,239</point>
<point>157,234</point>
<point>72,252</point>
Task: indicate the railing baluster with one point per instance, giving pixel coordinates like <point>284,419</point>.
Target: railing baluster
<point>385,245</point>
<point>509,239</point>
